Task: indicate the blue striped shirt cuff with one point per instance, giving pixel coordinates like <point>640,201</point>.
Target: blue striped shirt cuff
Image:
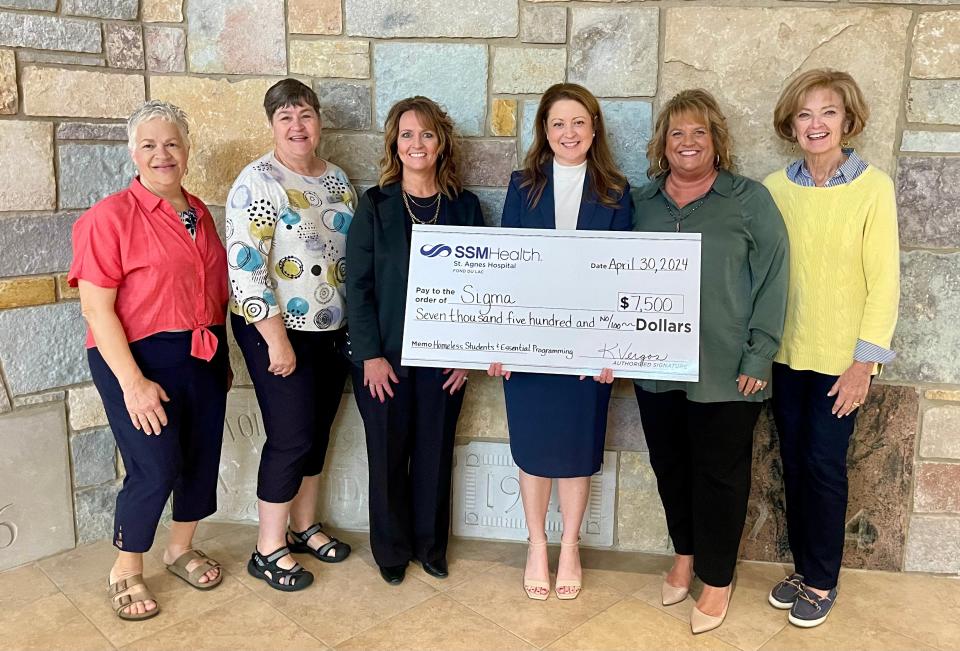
<point>868,352</point>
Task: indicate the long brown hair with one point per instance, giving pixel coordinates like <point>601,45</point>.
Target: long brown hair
<point>701,105</point>
<point>604,176</point>
<point>435,119</point>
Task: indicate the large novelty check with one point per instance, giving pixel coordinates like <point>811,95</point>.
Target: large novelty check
<point>567,302</point>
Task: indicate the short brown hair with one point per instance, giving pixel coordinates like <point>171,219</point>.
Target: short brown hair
<point>604,176</point>
<point>702,105</point>
<point>435,119</point>
<point>854,105</point>
<point>289,92</point>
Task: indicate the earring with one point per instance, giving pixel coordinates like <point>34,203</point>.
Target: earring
<point>844,144</point>
<point>716,163</point>
<point>660,165</point>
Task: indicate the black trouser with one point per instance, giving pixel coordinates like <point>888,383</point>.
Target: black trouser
<point>298,410</point>
<point>184,459</point>
<point>701,455</point>
<point>813,448</point>
<point>410,454</point>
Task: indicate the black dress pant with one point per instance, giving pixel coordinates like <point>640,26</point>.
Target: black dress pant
<point>410,455</point>
<point>298,410</point>
<point>813,448</point>
<point>701,454</point>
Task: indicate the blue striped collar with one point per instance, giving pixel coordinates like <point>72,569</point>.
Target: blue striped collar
<point>853,167</point>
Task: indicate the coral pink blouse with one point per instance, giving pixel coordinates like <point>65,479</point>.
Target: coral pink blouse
<point>134,241</point>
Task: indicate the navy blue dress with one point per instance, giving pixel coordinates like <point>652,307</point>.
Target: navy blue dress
<point>558,423</point>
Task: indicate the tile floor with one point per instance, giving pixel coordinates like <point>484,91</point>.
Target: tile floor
<point>60,603</point>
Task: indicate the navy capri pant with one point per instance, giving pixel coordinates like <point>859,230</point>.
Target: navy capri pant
<point>298,410</point>
<point>184,459</point>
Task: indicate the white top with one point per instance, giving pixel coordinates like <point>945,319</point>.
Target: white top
<point>567,192</point>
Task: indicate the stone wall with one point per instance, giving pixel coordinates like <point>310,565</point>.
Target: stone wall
<point>70,70</point>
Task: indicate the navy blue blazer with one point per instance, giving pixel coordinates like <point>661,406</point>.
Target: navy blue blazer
<point>593,215</point>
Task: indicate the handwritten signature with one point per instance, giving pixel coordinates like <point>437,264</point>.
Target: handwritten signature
<point>615,351</point>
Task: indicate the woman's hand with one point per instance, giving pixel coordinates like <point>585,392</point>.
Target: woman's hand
<point>496,370</point>
<point>605,377</point>
<point>851,388</point>
<point>143,400</point>
<point>283,361</point>
<point>750,385</point>
<point>377,374</point>
<point>458,377</point>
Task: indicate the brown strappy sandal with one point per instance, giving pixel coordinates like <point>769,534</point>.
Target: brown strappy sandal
<point>129,591</point>
<point>179,567</point>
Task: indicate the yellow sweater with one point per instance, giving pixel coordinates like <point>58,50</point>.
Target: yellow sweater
<point>844,269</point>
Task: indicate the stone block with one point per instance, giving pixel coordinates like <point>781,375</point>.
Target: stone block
<point>942,394</point>
<point>92,455</point>
<point>452,74</point>
<point>88,173</point>
<point>937,142</point>
<point>343,498</point>
<point>5,404</point>
<point>487,504</point>
<point>64,290</point>
<point>926,339</point>
<point>425,18</point>
<point>936,45</point>
<point>526,69</point>
<point>934,101</point>
<point>489,162</point>
<point>717,48</point>
<point>55,355</point>
<point>933,544</point>
<point>484,414</point>
<point>941,433</point>
<point>62,58</point>
<point>237,36</point>
<point>91,131</point>
<point>39,398</point>
<point>27,290</point>
<point>314,17</point>
<point>49,32</point>
<point>9,97</point>
<point>86,408</point>
<point>527,115</point>
<point>938,488</point>
<point>26,145</point>
<point>357,153</point>
<point>613,50</point>
<point>166,49</point>
<point>228,128</point>
<point>491,204</point>
<point>36,513</point>
<point>92,94</point>
<point>162,11</point>
<point>349,59</point>
<point>345,105</point>
<point>124,46</point>
<point>624,429</point>
<point>503,117</point>
<point>543,24</point>
<point>928,186</point>
<point>94,512</point>
<point>641,523</point>
<point>35,244</point>
<point>880,472</point>
<point>42,5</point>
<point>117,9</point>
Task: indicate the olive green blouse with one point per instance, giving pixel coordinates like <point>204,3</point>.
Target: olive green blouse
<point>743,284</point>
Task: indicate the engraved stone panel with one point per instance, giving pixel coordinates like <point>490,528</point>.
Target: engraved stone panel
<point>237,36</point>
<point>718,48</point>
<point>36,511</point>
<point>487,504</point>
<point>343,498</point>
<point>880,471</point>
<point>928,201</point>
<point>422,18</point>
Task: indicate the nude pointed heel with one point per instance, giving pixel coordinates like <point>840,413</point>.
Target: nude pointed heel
<point>671,594</point>
<point>568,588</point>
<point>700,622</point>
<point>535,588</point>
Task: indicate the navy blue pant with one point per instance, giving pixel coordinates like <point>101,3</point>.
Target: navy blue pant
<point>184,459</point>
<point>813,448</point>
<point>298,410</point>
<point>701,454</point>
<point>410,453</point>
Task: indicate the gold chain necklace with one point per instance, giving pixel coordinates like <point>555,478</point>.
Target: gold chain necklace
<point>406,204</point>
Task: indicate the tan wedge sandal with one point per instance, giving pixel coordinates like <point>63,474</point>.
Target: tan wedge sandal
<point>129,591</point>
<point>535,588</point>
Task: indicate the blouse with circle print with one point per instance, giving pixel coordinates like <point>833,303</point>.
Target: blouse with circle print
<point>286,244</point>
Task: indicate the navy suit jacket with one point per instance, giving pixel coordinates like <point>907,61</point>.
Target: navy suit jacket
<point>593,215</point>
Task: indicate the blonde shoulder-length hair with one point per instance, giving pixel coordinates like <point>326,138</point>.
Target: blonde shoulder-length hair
<point>435,119</point>
<point>854,105</point>
<point>701,105</point>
